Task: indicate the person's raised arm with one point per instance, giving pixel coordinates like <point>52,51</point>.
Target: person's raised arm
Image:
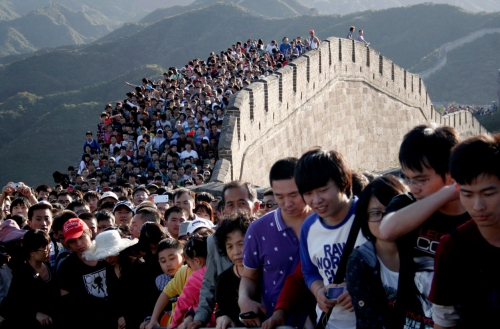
<point>411,215</point>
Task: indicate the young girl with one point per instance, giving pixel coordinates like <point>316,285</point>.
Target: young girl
<point>230,237</point>
<point>171,258</point>
<point>195,254</point>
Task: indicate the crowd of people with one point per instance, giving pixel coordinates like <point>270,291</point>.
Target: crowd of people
<point>327,247</point>
<point>122,242</point>
<point>167,131</point>
<point>476,110</point>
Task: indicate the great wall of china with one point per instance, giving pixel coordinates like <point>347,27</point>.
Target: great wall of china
<point>343,96</point>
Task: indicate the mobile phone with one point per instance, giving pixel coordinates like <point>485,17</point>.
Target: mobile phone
<point>335,292</point>
<point>249,315</point>
<point>15,186</point>
<point>160,199</point>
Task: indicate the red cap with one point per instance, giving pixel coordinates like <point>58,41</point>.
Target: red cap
<point>311,31</point>
<point>191,133</point>
<point>73,229</point>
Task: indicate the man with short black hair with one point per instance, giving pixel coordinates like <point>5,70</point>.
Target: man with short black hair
<point>470,254</point>
<point>323,179</point>
<point>417,220</point>
<point>268,264</point>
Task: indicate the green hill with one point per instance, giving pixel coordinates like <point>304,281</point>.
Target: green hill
<point>347,7</point>
<point>470,75</point>
<point>58,87</point>
<point>51,140</point>
<point>50,26</point>
<point>264,8</point>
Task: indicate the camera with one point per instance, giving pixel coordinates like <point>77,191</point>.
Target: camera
<point>15,186</point>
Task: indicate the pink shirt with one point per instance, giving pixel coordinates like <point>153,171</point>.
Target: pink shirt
<point>190,296</point>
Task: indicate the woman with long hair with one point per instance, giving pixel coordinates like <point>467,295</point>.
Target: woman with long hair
<point>378,279</point>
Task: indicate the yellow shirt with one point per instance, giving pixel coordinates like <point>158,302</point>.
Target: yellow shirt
<point>175,286</point>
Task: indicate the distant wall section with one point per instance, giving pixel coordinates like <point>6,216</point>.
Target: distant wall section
<point>343,96</point>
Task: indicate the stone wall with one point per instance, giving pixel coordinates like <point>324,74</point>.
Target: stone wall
<point>343,96</point>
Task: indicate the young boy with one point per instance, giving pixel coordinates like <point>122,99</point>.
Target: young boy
<point>466,269</point>
<point>324,181</point>
<point>170,256</point>
<point>82,282</point>
<point>174,217</point>
<point>418,220</point>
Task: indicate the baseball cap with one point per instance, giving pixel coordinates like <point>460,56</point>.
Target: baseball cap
<point>73,229</point>
<point>124,204</point>
<point>109,195</point>
<point>198,223</point>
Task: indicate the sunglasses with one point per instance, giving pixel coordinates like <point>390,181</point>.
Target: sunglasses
<point>268,205</point>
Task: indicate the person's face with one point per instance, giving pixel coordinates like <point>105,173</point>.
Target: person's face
<point>65,200</point>
<point>112,260</point>
<point>375,213</point>
<point>424,183</point>
<point>20,209</point>
<point>81,244</point>
<point>170,261</point>
<point>287,196</point>
<point>135,226</point>
<point>131,180</point>
<point>162,207</point>
<point>237,199</point>
<point>269,203</point>
<point>173,223</point>
<point>181,171</point>
<point>123,215</point>
<point>481,199</point>
<point>139,196</point>
<point>85,174</point>
<point>42,254</point>
<point>103,224</point>
<point>92,224</point>
<point>89,137</point>
<point>52,198</point>
<point>93,204</point>
<point>234,247</point>
<point>326,200</point>
<point>42,220</point>
<point>85,187</point>
<point>185,202</point>
<point>43,195</point>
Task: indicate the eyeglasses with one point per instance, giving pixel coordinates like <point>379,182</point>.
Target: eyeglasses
<point>375,216</point>
<point>418,183</point>
<point>46,250</point>
<point>268,205</point>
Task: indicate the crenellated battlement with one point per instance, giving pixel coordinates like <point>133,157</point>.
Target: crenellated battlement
<point>343,95</point>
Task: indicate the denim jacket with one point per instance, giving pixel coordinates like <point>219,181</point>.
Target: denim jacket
<point>367,292</point>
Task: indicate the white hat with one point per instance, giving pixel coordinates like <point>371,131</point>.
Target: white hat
<point>109,195</point>
<point>108,243</point>
<point>198,223</point>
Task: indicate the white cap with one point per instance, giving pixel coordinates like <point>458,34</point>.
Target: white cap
<point>198,223</point>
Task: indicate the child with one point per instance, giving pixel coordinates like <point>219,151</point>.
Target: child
<point>195,254</point>
<point>171,258</point>
<point>230,237</point>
